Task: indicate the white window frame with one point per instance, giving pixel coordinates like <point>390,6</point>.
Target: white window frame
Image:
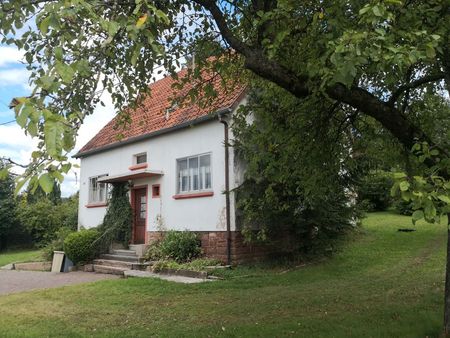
<point>95,194</point>
<point>190,175</point>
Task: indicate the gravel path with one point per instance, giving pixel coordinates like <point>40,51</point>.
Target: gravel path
<point>12,281</point>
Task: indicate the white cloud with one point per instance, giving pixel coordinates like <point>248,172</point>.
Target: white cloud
<point>17,146</point>
<point>14,76</point>
<point>10,55</point>
<point>93,123</point>
<point>12,136</point>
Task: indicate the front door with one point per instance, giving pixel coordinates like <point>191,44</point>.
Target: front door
<point>140,215</point>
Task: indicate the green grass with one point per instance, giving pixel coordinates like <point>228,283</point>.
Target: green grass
<point>383,283</point>
<point>20,256</point>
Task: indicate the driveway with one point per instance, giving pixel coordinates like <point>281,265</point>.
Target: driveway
<point>12,281</point>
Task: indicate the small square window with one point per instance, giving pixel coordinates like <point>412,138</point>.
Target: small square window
<point>155,191</point>
<point>141,158</point>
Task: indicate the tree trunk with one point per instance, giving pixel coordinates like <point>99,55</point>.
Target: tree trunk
<point>447,290</point>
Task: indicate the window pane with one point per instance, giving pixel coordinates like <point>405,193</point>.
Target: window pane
<point>98,192</point>
<point>205,172</point>
<point>102,192</point>
<point>193,173</point>
<point>183,175</point>
<point>141,158</point>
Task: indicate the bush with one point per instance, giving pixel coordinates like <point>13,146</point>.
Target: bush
<point>80,246</point>
<point>154,252</point>
<point>180,246</point>
<point>374,193</point>
<point>42,219</point>
<point>403,207</point>
<point>57,244</point>
<point>199,264</point>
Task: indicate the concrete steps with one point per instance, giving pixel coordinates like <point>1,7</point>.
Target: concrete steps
<point>123,252</point>
<point>118,261</point>
<point>123,258</point>
<point>115,264</point>
<point>109,269</point>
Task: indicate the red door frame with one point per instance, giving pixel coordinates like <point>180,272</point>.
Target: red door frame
<point>133,200</point>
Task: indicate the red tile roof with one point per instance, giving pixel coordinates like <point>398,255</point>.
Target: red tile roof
<point>151,115</point>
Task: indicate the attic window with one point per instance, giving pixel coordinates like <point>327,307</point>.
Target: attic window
<point>141,158</point>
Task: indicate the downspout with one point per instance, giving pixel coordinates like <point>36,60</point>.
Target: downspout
<point>227,184</point>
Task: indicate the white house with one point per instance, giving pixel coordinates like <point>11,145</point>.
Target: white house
<point>175,159</point>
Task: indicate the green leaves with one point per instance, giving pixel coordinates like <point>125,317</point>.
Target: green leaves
<point>46,183</point>
<point>430,193</point>
<point>404,186</point>
<point>66,72</point>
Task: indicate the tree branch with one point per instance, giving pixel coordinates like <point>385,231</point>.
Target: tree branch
<point>412,85</point>
<point>255,60</point>
<point>385,113</point>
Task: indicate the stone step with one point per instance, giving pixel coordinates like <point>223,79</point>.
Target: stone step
<point>124,252</point>
<point>123,258</point>
<point>112,270</point>
<point>116,264</point>
<point>140,249</point>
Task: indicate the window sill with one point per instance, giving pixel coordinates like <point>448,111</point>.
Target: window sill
<point>193,195</point>
<point>138,166</point>
<point>96,205</point>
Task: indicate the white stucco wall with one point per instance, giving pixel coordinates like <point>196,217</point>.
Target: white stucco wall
<point>164,213</point>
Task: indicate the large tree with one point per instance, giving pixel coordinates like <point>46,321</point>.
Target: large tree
<point>375,57</point>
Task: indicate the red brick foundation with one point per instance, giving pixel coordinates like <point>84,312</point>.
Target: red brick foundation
<point>214,245</point>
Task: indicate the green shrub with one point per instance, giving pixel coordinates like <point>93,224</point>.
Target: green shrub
<point>374,192</point>
<point>403,207</point>
<point>42,219</point>
<point>180,246</point>
<point>154,252</point>
<point>57,244</point>
<point>80,246</point>
<point>199,264</point>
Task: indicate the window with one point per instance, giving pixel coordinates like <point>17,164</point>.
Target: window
<point>141,158</point>
<point>194,173</point>
<point>155,190</point>
<point>143,207</point>
<point>98,192</point>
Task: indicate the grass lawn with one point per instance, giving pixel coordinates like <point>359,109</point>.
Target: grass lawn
<point>20,256</point>
<point>384,283</point>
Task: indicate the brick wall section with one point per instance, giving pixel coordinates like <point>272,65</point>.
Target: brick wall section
<point>214,245</point>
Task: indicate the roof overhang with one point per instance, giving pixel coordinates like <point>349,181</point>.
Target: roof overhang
<point>130,175</point>
<point>146,136</point>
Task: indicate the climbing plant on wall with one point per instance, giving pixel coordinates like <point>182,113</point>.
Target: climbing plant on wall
<point>116,226</point>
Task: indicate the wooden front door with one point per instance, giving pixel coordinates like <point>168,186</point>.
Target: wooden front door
<point>140,215</point>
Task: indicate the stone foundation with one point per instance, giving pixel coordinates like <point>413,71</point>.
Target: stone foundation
<point>214,245</point>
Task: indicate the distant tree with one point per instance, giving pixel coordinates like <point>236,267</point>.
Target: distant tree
<point>54,196</point>
<point>8,221</point>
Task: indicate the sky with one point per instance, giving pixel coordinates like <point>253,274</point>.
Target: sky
<point>14,143</point>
